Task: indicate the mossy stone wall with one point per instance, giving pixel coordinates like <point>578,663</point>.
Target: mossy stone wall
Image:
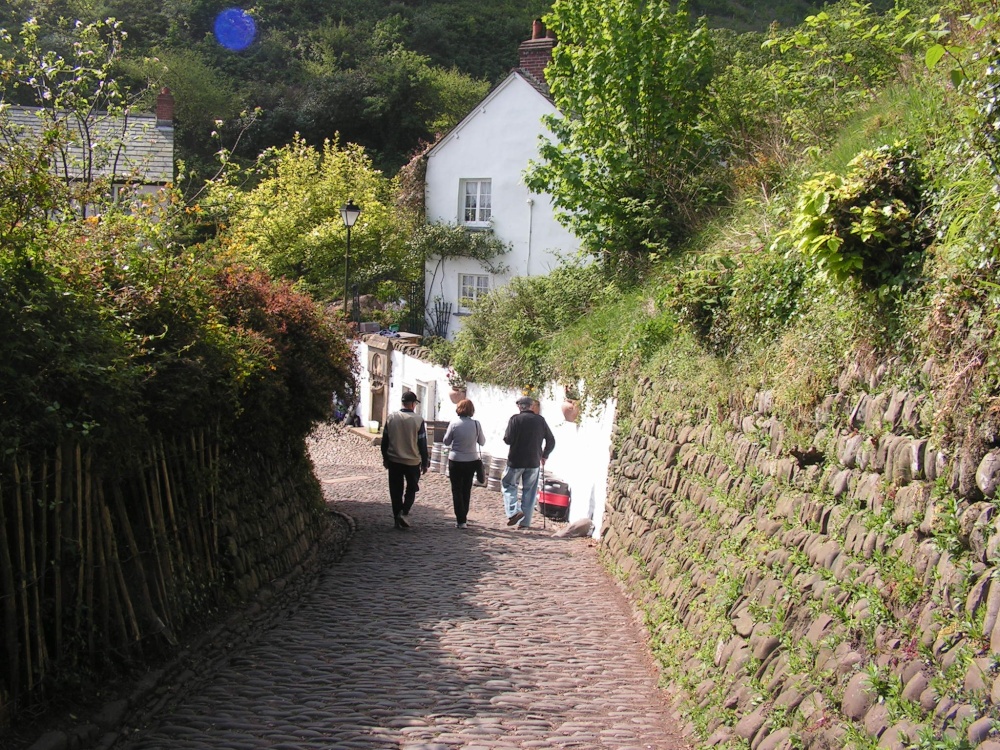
<point>838,593</point>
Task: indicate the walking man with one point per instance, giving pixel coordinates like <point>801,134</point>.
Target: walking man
<point>404,454</point>
<point>531,442</point>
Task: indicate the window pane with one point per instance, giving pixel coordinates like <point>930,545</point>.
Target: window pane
<point>484,200</point>
<point>472,287</point>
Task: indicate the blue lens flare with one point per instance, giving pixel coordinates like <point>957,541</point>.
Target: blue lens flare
<point>235,29</point>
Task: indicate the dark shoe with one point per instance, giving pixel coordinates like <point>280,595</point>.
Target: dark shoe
<point>401,524</point>
<point>515,518</point>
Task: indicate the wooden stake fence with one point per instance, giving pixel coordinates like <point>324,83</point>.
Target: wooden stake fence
<point>93,565</point>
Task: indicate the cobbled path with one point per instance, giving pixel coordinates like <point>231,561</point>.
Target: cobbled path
<point>433,638</point>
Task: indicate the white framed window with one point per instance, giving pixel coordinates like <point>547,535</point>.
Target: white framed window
<point>427,397</point>
<point>477,202</point>
<point>471,287</point>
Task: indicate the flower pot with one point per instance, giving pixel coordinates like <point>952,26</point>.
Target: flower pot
<point>570,410</point>
<point>456,395</point>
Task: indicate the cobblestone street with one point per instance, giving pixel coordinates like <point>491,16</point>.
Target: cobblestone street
<point>433,637</point>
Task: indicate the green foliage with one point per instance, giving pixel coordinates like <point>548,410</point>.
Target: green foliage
<point>764,298</point>
<point>436,244</point>
<point>303,358</point>
<point>701,292</point>
<point>629,81</point>
<point>115,332</point>
<point>794,89</point>
<point>868,223</point>
<point>78,137</point>
<point>606,347</point>
<point>203,96</point>
<point>290,222</point>
<point>506,340</point>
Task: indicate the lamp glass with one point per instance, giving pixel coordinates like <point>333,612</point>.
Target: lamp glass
<point>349,213</point>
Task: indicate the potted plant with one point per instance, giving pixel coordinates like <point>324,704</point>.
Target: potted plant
<point>457,383</point>
<point>571,403</point>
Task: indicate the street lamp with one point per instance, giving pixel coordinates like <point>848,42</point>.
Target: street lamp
<point>349,213</point>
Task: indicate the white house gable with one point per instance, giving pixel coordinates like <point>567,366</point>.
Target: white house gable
<point>475,178</point>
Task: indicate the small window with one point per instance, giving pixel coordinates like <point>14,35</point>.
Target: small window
<point>471,287</point>
<point>477,204</point>
<point>426,405</point>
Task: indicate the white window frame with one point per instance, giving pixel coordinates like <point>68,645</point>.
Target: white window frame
<point>475,199</point>
<point>427,398</point>
<point>476,283</point>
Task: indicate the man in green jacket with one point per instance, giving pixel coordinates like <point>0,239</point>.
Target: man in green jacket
<point>404,454</point>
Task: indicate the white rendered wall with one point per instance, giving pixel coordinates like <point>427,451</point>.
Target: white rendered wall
<point>583,450</point>
<point>496,142</point>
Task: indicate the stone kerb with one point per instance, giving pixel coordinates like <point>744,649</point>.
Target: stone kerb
<point>817,576</point>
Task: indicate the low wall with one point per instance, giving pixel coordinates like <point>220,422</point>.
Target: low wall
<point>106,568</point>
<point>841,594</point>
<point>583,446</point>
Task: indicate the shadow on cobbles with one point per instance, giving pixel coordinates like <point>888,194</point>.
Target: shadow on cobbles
<point>432,637</point>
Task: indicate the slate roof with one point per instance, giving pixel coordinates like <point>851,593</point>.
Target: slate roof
<point>540,86</point>
<point>146,153</point>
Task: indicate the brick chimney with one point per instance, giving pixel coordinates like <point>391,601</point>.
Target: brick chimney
<point>536,53</point>
<point>165,109</point>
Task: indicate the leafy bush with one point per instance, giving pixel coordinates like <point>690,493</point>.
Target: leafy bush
<point>701,293</point>
<point>867,223</point>
<point>506,340</point>
<point>300,359</point>
<point>290,222</point>
<point>765,294</point>
<point>627,170</point>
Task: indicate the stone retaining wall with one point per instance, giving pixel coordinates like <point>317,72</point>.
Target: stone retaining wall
<point>837,595</point>
<point>271,525</point>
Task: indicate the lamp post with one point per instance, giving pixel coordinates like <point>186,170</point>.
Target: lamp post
<point>349,213</point>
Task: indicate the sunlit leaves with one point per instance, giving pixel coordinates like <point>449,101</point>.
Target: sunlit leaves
<point>629,79</point>
<point>289,220</point>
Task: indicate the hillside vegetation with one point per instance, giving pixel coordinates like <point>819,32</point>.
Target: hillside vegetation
<point>794,240</point>
<point>382,74</point>
<point>829,198</point>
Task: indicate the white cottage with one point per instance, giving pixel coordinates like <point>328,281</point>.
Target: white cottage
<point>475,179</point>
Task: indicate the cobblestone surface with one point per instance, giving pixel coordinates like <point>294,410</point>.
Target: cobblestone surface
<point>431,638</point>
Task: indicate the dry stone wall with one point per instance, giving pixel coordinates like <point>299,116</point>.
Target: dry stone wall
<point>270,526</point>
<point>840,594</point>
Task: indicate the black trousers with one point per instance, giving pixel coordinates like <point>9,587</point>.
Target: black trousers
<point>400,474</point>
<point>461,474</point>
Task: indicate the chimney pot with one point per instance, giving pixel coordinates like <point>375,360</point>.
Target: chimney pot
<point>536,53</point>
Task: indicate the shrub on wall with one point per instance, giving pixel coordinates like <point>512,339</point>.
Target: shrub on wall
<point>868,223</point>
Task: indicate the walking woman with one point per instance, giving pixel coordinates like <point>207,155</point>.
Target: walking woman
<point>464,435</point>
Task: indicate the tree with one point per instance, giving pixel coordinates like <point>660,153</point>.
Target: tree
<point>78,145</point>
<point>289,220</point>
<point>629,79</point>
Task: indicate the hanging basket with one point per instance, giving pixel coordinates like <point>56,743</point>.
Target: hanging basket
<point>456,395</point>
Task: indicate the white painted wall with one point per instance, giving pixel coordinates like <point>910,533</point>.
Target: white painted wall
<point>495,141</point>
<point>583,450</point>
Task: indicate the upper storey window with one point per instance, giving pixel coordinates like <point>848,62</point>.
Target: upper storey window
<point>476,202</point>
